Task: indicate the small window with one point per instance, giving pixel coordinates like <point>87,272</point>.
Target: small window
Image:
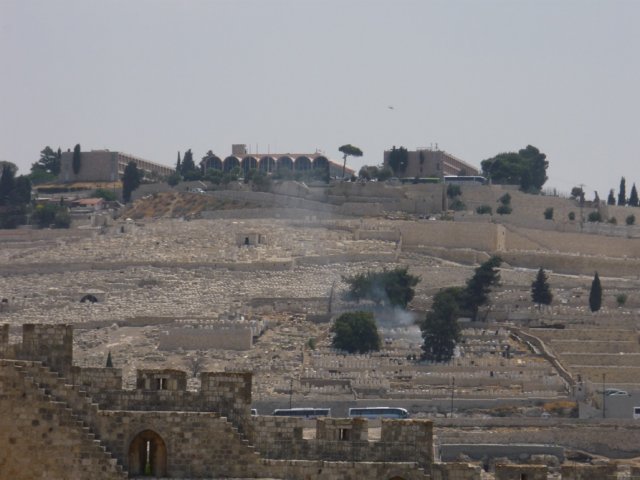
<point>162,384</point>
<point>344,434</point>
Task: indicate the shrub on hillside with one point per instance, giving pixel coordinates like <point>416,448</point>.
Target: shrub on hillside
<point>594,217</point>
<point>504,210</point>
<point>484,209</point>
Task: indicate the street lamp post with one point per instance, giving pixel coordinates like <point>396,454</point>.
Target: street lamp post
<point>453,389</point>
<point>603,395</point>
<point>290,393</point>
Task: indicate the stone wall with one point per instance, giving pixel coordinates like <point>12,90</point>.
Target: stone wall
<point>343,439</point>
<point>480,236</point>
<point>588,472</point>
<point>97,379</point>
<point>41,439</point>
<point>49,344</point>
<point>518,472</point>
<point>610,438</point>
<point>572,243</point>
<point>455,471</point>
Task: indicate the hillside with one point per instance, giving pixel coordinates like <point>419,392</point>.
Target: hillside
<point>179,204</point>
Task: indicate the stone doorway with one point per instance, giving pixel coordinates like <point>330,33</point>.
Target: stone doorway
<point>148,455</point>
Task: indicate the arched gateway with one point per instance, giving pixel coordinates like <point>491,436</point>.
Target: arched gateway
<point>148,455</point>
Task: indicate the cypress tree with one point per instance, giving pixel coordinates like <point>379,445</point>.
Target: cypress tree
<point>188,164</point>
<point>622,194</point>
<point>75,163</point>
<point>611,200</point>
<point>109,361</point>
<point>179,165</point>
<point>595,295</point>
<point>633,196</point>
<point>540,291</point>
<point>7,184</point>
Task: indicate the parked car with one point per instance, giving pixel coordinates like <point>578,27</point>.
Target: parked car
<point>614,392</point>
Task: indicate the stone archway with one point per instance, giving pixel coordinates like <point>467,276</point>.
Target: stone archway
<point>148,455</point>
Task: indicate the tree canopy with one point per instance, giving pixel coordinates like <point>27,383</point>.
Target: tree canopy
<point>356,332</point>
<point>392,288</point>
<point>77,159</point>
<point>348,150</point>
<point>633,196</point>
<point>476,292</point>
<point>398,160</point>
<point>48,166</point>
<point>130,180</point>
<point>527,168</point>
<point>622,193</point>
<point>440,329</point>
<point>540,290</point>
<point>595,294</point>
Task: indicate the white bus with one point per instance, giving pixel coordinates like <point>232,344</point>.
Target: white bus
<point>465,179</point>
<point>302,412</point>
<point>378,412</point>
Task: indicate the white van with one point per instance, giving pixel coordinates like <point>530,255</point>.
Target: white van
<point>636,413</point>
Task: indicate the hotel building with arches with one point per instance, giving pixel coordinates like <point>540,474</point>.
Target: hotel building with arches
<point>271,162</point>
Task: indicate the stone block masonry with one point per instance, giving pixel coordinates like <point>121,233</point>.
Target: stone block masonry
<point>149,428</point>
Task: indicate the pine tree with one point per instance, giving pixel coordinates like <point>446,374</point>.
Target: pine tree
<point>75,163</point>
<point>622,194</point>
<point>109,361</point>
<point>476,292</point>
<point>633,196</point>
<point>540,291</point>
<point>440,329</point>
<point>611,200</point>
<point>595,295</point>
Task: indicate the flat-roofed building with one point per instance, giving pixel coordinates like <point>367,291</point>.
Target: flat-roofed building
<point>107,166</point>
<point>429,162</point>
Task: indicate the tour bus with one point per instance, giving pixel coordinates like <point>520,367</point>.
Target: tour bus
<point>465,179</point>
<point>416,180</point>
<point>378,412</point>
<point>302,412</point>
<point>636,413</point>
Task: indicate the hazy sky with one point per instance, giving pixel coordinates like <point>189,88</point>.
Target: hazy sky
<point>477,77</point>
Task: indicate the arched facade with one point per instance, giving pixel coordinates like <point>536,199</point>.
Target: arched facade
<point>230,163</point>
<point>212,163</point>
<point>320,163</point>
<point>267,164</point>
<point>248,163</point>
<point>148,455</point>
<point>302,163</point>
<point>284,163</point>
<point>272,162</point>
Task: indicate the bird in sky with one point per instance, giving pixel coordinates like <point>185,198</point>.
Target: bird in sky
<point>390,107</point>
